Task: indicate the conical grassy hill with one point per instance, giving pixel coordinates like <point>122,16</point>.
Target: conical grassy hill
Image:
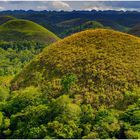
<point>135,30</point>
<point>19,30</point>
<point>81,27</point>
<point>106,64</point>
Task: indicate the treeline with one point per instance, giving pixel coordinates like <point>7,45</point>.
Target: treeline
<point>32,113</point>
<point>15,55</point>
<point>22,45</point>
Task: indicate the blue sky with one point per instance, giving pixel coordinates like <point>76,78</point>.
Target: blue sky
<point>69,5</point>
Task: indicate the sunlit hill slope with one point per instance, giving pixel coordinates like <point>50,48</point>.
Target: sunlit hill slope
<point>106,63</point>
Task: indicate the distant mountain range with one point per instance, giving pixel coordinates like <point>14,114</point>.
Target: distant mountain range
<point>118,20</point>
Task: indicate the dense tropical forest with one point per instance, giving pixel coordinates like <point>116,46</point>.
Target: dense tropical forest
<point>69,75</point>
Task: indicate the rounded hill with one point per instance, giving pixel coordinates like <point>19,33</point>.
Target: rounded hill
<point>114,25</point>
<point>81,27</point>
<point>19,30</point>
<point>135,30</point>
<point>71,23</point>
<point>4,19</point>
<point>106,63</point>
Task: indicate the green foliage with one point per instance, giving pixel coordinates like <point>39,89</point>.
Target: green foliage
<point>88,114</point>
<point>129,98</point>
<point>1,118</point>
<point>15,55</point>
<point>130,134</point>
<point>59,130</point>
<point>107,124</point>
<point>131,119</point>
<point>64,110</point>
<point>67,81</point>
<point>4,126</point>
<point>23,98</point>
<point>29,113</point>
<point>4,93</point>
<point>32,127</point>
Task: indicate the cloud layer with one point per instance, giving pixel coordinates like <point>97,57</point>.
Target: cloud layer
<point>70,5</point>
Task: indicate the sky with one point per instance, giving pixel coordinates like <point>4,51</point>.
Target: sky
<point>69,5</point>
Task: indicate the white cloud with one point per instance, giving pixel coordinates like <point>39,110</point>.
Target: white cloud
<point>42,7</point>
<point>2,8</point>
<point>104,6</point>
<point>59,5</point>
<point>97,8</point>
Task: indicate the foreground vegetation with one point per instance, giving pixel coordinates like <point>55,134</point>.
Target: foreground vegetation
<point>29,113</point>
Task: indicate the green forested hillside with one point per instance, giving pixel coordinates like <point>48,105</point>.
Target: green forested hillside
<point>20,30</point>
<point>14,55</point>
<point>84,86</point>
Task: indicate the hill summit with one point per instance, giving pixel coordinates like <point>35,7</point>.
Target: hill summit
<point>5,18</point>
<point>19,30</point>
<point>106,63</point>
